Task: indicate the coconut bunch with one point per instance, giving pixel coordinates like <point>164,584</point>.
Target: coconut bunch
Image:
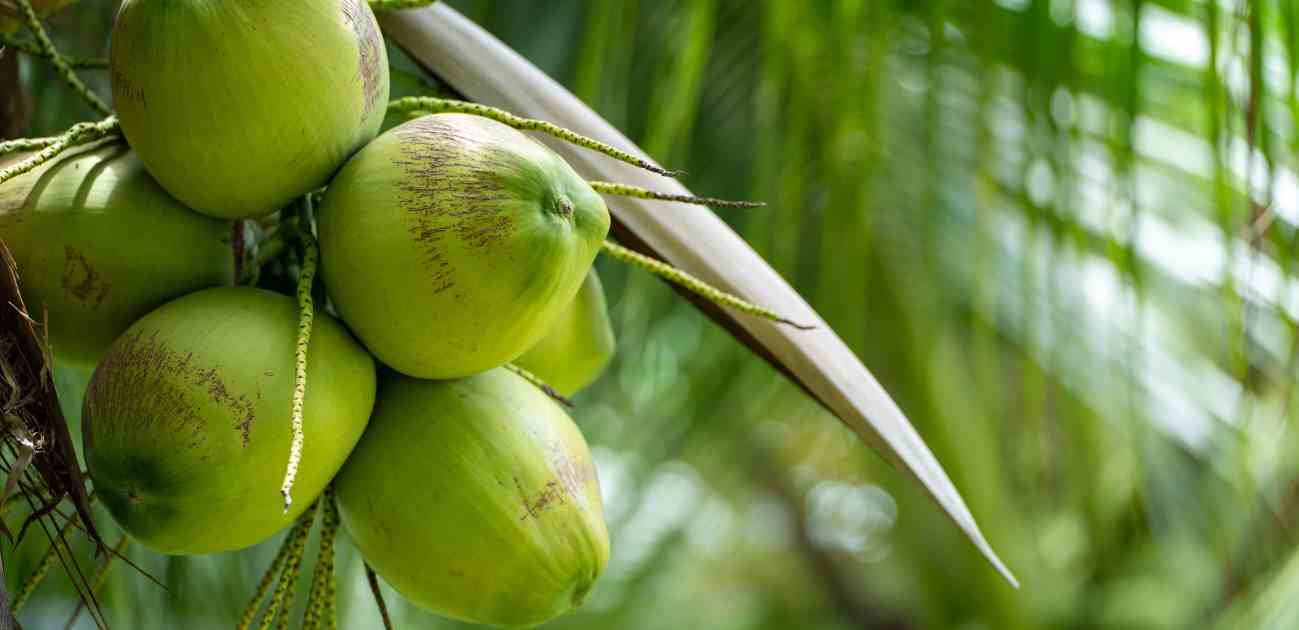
<point>413,394</point>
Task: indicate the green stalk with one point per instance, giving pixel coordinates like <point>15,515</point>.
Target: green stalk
<point>693,284</point>
<point>636,192</point>
<point>51,54</point>
<point>379,6</point>
<point>80,133</point>
<point>21,145</point>
<point>306,317</point>
<point>264,586</point>
<point>441,105</point>
<point>539,384</point>
<point>31,48</point>
<point>295,544</point>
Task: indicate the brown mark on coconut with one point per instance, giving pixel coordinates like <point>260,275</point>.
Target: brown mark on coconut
<point>368,41</point>
<point>142,378</point>
<point>568,484</point>
<point>81,281</point>
<point>124,89</point>
<point>451,190</point>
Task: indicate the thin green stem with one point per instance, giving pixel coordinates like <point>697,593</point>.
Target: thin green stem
<point>322,609</point>
<point>51,54</point>
<point>540,384</point>
<point>397,5</point>
<point>79,134</point>
<point>625,190</point>
<point>441,106</point>
<point>43,569</point>
<point>32,48</point>
<point>373,581</point>
<point>21,145</point>
<point>332,522</point>
<point>296,542</point>
<point>693,284</point>
<point>264,586</point>
<point>306,317</point>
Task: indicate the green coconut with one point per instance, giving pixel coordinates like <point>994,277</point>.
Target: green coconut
<point>476,499</point>
<point>186,422</point>
<point>99,244</point>
<point>451,243</point>
<point>239,106</point>
<point>576,349</point>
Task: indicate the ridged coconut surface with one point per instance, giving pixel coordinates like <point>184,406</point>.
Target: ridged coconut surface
<point>238,106</point>
<point>99,244</point>
<point>476,499</point>
<point>451,243</point>
<point>187,419</point>
<point>576,349</point>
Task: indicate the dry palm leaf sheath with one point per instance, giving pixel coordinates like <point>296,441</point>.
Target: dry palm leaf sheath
<point>489,72</point>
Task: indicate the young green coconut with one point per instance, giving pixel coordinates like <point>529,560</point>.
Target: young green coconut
<point>451,243</point>
<point>239,106</point>
<point>576,349</point>
<point>99,244</point>
<point>476,499</point>
<point>186,420</point>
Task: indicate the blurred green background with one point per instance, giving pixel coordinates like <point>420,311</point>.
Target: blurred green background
<point>1061,232</point>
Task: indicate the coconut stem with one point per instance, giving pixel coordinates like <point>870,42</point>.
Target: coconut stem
<point>330,531</point>
<point>20,145</point>
<point>43,569</point>
<point>51,54</point>
<point>264,586</point>
<point>28,587</point>
<point>321,605</point>
<point>625,190</point>
<point>292,549</point>
<point>540,384</point>
<point>306,317</point>
<point>78,134</point>
<point>396,5</point>
<point>693,284</point>
<point>31,48</point>
<point>441,106</point>
<point>37,576</point>
<point>378,596</point>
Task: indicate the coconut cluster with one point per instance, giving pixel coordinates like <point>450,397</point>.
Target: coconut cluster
<point>450,246</point>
